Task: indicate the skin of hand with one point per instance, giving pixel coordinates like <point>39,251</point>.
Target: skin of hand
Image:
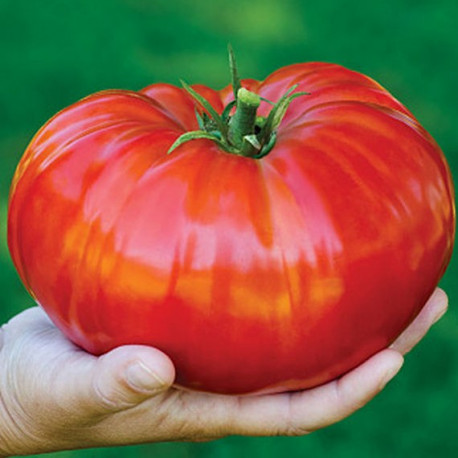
<point>54,396</point>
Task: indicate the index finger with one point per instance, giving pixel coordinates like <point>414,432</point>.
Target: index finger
<point>433,310</point>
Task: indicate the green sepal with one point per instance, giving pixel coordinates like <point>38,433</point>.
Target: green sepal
<point>267,100</point>
<point>207,106</point>
<point>227,111</point>
<point>236,84</point>
<point>250,144</point>
<point>267,148</point>
<point>278,112</point>
<point>194,135</point>
<point>200,119</point>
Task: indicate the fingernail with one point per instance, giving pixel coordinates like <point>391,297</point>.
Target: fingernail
<point>391,373</point>
<point>142,378</point>
<point>439,316</point>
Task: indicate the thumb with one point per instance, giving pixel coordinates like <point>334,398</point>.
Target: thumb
<point>127,376</point>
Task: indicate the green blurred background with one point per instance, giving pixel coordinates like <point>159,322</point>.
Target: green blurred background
<point>53,52</point>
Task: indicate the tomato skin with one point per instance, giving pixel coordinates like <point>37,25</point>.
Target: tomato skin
<point>253,275</point>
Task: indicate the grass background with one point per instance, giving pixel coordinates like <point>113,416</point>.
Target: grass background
<point>53,52</point>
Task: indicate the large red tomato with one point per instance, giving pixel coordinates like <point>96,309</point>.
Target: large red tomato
<point>275,270</point>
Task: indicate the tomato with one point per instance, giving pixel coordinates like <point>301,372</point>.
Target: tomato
<point>263,272</point>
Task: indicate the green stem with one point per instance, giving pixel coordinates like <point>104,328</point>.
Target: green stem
<point>243,122</point>
<point>243,134</point>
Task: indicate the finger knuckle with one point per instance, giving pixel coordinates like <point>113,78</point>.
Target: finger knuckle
<point>113,397</point>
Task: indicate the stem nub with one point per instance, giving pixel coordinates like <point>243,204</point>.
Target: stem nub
<point>242,124</point>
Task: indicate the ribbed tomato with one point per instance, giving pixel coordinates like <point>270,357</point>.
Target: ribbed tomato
<point>258,272</point>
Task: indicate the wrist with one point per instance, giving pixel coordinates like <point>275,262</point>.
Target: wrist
<point>19,433</point>
<point>8,435</point>
<point>11,441</point>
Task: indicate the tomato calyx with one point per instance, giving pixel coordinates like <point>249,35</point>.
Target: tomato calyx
<point>242,133</point>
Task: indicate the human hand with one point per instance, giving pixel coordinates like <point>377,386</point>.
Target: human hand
<point>55,396</point>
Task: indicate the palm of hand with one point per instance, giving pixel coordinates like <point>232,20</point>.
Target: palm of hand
<point>56,396</point>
